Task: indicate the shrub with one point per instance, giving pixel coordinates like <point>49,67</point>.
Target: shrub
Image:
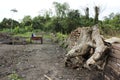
<point>28,28</point>
<point>60,39</point>
<point>16,29</point>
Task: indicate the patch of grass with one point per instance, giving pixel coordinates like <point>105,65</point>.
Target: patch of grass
<point>27,34</point>
<point>47,35</point>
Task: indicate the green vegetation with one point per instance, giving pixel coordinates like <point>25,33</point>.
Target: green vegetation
<point>61,39</point>
<point>14,76</point>
<point>63,21</point>
<point>27,34</point>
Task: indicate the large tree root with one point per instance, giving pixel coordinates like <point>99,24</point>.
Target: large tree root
<point>90,46</point>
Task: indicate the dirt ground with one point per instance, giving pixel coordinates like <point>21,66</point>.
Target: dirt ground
<point>39,61</point>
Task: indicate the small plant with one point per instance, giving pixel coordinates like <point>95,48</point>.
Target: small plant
<point>14,76</point>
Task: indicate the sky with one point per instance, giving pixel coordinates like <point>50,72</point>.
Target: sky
<point>37,7</point>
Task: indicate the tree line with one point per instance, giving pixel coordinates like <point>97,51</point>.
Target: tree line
<point>65,20</point>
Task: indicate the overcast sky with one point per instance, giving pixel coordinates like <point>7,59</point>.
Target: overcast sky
<point>35,7</point>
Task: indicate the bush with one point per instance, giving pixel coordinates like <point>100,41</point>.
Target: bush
<point>60,39</point>
<point>109,30</point>
<point>16,29</point>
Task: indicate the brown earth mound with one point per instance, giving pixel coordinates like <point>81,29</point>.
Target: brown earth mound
<point>8,39</point>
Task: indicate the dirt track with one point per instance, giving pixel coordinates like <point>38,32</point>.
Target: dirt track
<point>36,61</point>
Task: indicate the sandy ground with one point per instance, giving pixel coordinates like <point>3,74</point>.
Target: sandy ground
<point>39,61</point>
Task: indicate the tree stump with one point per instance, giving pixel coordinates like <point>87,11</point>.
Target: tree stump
<point>90,46</point>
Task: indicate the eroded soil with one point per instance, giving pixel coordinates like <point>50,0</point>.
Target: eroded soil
<point>36,61</point>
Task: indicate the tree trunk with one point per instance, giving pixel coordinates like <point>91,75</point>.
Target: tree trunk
<point>97,11</point>
<point>90,46</point>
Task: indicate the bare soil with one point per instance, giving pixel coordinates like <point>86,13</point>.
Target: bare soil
<point>36,61</point>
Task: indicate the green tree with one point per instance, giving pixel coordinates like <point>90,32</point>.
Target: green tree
<point>8,23</point>
<point>26,21</point>
<point>73,20</point>
<point>38,22</point>
<point>112,21</point>
<point>61,9</point>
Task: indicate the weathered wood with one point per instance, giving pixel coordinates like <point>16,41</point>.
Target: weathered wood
<point>94,50</point>
<point>115,54</point>
<point>114,66</point>
<point>116,47</point>
<point>112,59</point>
<point>100,47</point>
<point>88,38</point>
<point>113,40</point>
<point>73,38</point>
<point>82,45</point>
<point>111,73</point>
<point>112,69</point>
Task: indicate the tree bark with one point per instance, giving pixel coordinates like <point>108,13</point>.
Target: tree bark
<point>89,39</point>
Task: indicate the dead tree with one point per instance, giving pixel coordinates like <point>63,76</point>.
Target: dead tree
<point>90,46</point>
<point>97,11</point>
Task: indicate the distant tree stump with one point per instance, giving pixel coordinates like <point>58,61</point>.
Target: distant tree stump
<point>90,46</point>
